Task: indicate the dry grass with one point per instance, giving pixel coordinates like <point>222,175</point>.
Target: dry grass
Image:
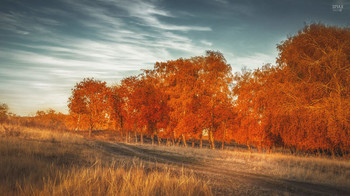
<point>117,180</point>
<point>320,170</point>
<point>42,162</point>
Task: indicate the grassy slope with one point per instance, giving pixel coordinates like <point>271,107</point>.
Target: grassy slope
<point>42,162</point>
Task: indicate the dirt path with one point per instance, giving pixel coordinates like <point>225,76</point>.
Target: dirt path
<point>224,180</point>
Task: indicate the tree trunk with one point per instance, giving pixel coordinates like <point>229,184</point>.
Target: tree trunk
<point>192,143</point>
<point>201,141</point>
<point>78,123</point>
<point>174,139</point>
<point>135,136</point>
<point>184,140</point>
<point>126,137</point>
<point>291,150</point>
<point>141,138</point>
<point>159,140</point>
<point>91,127</point>
<point>211,140</point>
<point>152,139</point>
<point>178,142</point>
<point>260,147</point>
<point>223,139</point>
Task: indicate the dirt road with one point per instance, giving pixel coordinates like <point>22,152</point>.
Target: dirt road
<point>222,176</point>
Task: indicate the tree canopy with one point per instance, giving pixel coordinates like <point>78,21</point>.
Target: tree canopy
<point>89,101</point>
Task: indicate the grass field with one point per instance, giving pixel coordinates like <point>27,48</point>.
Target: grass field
<point>44,162</point>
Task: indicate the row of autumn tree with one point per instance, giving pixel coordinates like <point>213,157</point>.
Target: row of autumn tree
<point>301,103</point>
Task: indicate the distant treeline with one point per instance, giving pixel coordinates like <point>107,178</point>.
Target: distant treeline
<point>49,119</point>
<point>302,103</point>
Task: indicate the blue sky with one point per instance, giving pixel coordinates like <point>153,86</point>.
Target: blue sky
<point>48,46</point>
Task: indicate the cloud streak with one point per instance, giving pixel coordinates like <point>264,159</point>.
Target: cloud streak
<point>62,46</point>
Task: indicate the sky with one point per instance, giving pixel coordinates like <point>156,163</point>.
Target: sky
<point>46,47</point>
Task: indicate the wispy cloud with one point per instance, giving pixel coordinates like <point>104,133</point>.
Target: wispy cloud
<point>205,42</point>
<point>225,2</point>
<point>148,13</point>
<point>53,48</point>
<point>25,24</point>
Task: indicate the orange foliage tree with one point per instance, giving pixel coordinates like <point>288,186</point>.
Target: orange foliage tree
<point>127,107</point>
<point>258,103</point>
<point>303,102</point>
<point>146,105</point>
<point>117,108</point>
<point>197,89</point>
<point>318,69</point>
<point>89,104</point>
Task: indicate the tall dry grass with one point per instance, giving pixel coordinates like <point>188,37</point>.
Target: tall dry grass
<point>42,162</point>
<point>119,181</point>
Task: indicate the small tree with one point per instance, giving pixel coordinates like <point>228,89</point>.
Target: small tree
<point>3,112</point>
<point>90,100</point>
